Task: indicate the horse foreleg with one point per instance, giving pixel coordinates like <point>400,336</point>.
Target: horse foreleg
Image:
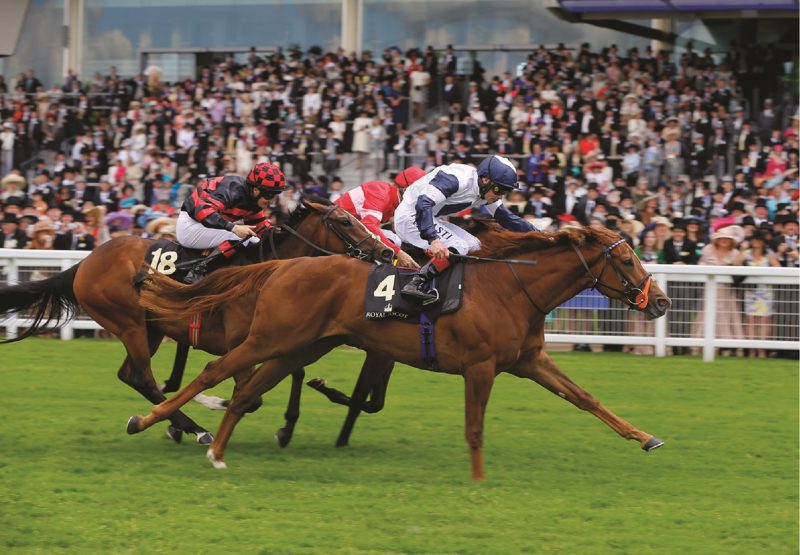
<point>284,435</point>
<point>373,381</point>
<point>173,383</point>
<point>264,378</point>
<point>478,381</point>
<point>235,361</point>
<point>544,371</point>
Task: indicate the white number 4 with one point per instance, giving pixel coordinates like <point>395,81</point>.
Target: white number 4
<point>385,288</point>
<point>163,263</point>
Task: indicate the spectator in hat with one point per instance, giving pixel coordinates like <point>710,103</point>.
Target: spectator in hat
<point>74,236</point>
<point>723,251</point>
<point>678,249</point>
<point>42,235</point>
<point>758,299</point>
<point>13,185</point>
<point>12,236</point>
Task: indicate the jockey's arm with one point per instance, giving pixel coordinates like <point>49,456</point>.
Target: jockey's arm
<point>373,223</point>
<point>207,213</point>
<point>260,221</point>
<point>436,192</point>
<point>508,220</point>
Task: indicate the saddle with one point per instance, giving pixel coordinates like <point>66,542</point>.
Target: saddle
<point>382,298</point>
<point>174,260</point>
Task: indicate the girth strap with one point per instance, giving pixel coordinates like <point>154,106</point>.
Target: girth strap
<point>194,329</point>
<point>426,342</point>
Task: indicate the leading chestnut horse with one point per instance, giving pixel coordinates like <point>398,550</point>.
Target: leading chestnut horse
<point>306,307</point>
<point>103,284</point>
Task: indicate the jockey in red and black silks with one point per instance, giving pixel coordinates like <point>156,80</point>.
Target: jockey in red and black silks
<point>225,212</point>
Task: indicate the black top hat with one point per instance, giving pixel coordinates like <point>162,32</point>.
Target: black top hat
<point>9,218</point>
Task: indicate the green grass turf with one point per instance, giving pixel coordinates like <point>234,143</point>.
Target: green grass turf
<point>559,481</point>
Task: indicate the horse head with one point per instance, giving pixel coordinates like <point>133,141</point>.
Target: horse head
<point>621,276</point>
<point>347,234</point>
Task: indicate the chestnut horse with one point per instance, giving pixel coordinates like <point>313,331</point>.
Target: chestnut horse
<point>103,285</point>
<point>306,307</point>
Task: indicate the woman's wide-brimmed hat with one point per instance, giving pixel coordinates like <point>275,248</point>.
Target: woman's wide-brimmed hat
<point>734,232</point>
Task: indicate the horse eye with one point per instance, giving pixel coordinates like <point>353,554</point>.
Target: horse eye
<point>628,262</point>
<point>347,223</point>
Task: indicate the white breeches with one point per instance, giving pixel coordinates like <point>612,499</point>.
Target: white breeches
<point>193,234</point>
<point>450,234</point>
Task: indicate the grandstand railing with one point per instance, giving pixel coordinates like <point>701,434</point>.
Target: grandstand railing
<point>771,294</point>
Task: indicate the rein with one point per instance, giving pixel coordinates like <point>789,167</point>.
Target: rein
<point>485,259</point>
<point>636,297</point>
<point>352,249</point>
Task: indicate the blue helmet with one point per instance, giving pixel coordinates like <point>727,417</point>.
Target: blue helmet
<point>499,170</point>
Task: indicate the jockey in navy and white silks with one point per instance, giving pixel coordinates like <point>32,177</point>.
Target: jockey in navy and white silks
<point>447,190</point>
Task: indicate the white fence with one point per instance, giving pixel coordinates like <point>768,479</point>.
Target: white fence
<point>760,313</point>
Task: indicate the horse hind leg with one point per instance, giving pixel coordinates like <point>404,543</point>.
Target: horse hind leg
<point>373,381</point>
<point>284,435</point>
<point>137,373</point>
<point>544,371</point>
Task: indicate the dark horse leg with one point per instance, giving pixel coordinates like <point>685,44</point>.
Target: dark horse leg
<point>284,435</point>
<point>544,371</point>
<point>373,380</point>
<point>144,383</point>
<point>173,383</point>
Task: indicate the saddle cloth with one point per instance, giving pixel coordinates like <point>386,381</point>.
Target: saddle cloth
<point>382,298</point>
<point>170,259</point>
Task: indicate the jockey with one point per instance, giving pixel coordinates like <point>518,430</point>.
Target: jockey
<point>374,203</point>
<point>444,191</point>
<point>207,218</point>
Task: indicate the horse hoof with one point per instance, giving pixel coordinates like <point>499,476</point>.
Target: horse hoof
<point>316,383</point>
<point>133,425</point>
<point>174,434</point>
<point>214,462</point>
<point>652,444</point>
<point>204,438</point>
<point>283,437</point>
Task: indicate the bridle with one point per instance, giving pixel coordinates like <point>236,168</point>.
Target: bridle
<point>353,250</point>
<point>636,297</point>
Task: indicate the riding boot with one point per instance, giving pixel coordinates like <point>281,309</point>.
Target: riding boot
<point>415,287</point>
<point>214,260</point>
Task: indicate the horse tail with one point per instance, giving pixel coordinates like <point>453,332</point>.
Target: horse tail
<point>49,300</point>
<point>172,300</point>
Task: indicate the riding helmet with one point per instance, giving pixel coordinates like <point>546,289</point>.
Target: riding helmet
<point>499,170</point>
<point>267,178</point>
<point>408,176</point>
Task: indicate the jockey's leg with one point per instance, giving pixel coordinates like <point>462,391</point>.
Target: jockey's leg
<point>193,234</point>
<point>457,240</point>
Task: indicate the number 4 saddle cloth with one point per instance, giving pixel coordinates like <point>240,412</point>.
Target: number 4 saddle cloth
<point>382,297</point>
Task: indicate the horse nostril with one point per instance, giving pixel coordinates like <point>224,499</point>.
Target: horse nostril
<point>663,304</point>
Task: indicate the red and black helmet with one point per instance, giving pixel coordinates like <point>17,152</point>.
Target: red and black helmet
<point>268,178</point>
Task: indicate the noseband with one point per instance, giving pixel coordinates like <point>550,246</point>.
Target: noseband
<point>636,296</point>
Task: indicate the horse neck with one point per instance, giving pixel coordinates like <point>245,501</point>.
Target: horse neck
<point>557,276</point>
<point>312,229</point>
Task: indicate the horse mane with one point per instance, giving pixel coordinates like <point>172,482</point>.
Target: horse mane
<point>504,244</point>
<point>301,211</point>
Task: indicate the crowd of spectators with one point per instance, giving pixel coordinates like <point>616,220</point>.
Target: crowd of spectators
<point>665,151</point>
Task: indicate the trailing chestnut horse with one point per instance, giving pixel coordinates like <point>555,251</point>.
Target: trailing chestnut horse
<point>499,328</point>
<point>103,284</point>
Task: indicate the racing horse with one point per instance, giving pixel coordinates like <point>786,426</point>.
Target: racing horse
<point>467,342</point>
<point>103,284</point>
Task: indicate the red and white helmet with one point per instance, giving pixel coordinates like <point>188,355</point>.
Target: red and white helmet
<point>268,178</point>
